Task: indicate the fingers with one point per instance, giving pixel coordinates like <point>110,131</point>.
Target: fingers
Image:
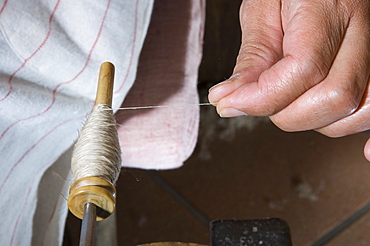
<point>311,41</point>
<point>261,45</point>
<point>359,121</point>
<point>367,150</point>
<point>338,95</point>
<point>310,71</point>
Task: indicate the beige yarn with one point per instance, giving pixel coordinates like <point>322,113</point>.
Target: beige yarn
<point>97,151</point>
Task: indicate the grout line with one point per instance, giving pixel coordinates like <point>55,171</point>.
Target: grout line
<point>342,226</point>
<point>180,198</point>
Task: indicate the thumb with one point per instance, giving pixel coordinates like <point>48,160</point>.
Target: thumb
<point>261,46</point>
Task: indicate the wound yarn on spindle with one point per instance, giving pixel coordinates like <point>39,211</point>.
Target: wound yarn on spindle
<point>97,151</point>
<point>96,159</point>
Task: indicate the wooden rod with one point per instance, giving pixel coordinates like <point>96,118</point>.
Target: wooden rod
<point>104,93</point>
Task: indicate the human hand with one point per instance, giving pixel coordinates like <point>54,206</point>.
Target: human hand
<point>303,63</point>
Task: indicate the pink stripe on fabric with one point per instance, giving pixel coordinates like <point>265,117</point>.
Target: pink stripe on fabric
<point>33,54</point>
<point>54,93</point>
<point>3,7</point>
<point>51,218</point>
<point>31,148</point>
<point>19,216</point>
<point>38,171</point>
<point>132,49</point>
<point>48,108</point>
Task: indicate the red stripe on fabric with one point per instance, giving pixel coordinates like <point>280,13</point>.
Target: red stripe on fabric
<point>3,7</point>
<point>132,49</point>
<point>54,93</point>
<point>54,210</point>
<point>53,100</point>
<point>30,149</point>
<point>33,54</point>
<point>50,219</point>
<point>18,218</point>
<point>38,171</point>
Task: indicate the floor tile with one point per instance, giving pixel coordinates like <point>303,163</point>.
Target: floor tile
<point>146,213</point>
<point>307,179</point>
<point>356,234</point>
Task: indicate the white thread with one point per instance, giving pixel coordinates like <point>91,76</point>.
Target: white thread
<point>166,106</point>
<point>97,151</point>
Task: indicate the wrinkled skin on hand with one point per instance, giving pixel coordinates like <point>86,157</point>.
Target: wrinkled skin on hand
<point>303,63</point>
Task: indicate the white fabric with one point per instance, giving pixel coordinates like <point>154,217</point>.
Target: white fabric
<point>164,138</point>
<point>50,53</point>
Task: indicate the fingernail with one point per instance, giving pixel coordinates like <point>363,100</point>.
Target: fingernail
<point>225,82</point>
<point>231,112</point>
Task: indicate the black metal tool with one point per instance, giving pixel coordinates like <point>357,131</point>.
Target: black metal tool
<point>262,232</point>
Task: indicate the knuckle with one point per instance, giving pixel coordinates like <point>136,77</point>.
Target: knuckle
<point>343,100</point>
<point>320,67</point>
<point>259,48</point>
<point>257,52</point>
<point>311,68</point>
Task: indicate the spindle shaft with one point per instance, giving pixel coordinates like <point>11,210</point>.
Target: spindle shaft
<point>92,196</point>
<point>88,225</point>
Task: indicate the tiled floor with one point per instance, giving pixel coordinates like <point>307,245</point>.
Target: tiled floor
<point>356,234</point>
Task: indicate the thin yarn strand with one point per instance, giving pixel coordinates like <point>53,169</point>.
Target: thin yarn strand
<point>166,106</point>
